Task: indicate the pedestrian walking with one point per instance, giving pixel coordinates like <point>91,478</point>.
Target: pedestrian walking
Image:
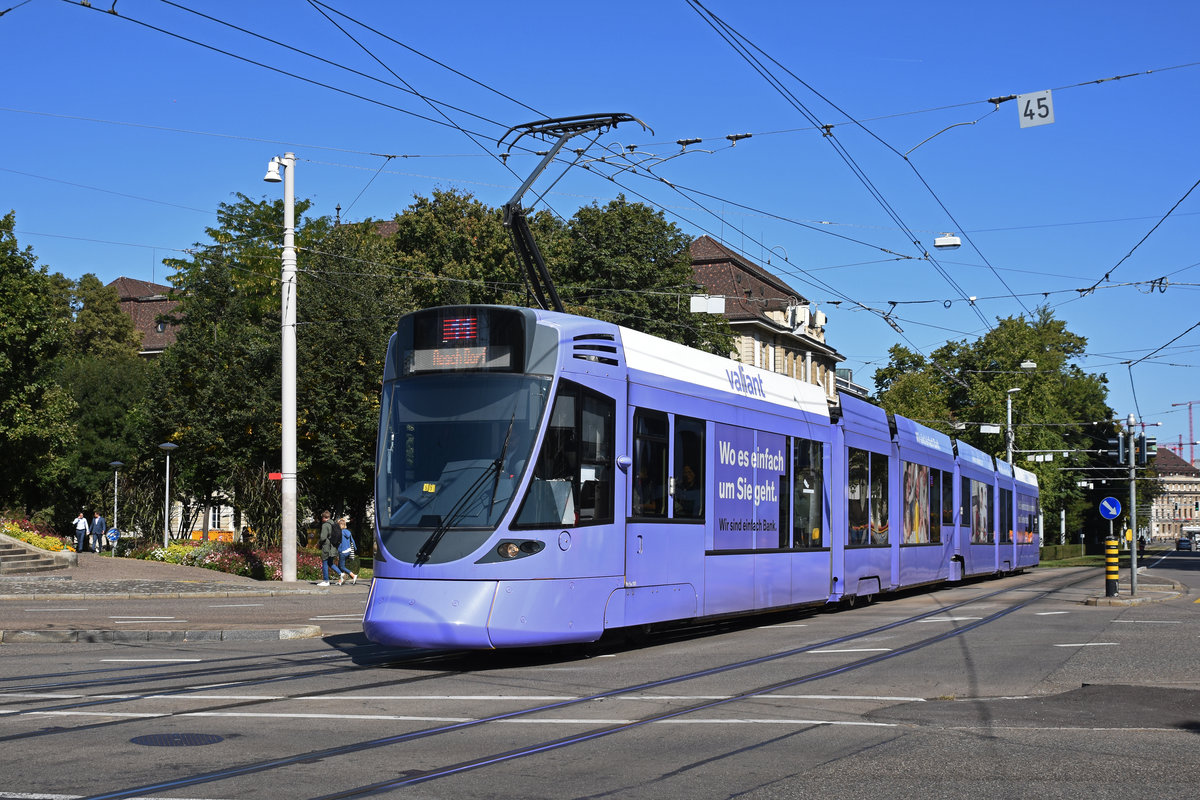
<point>330,539</point>
<point>99,528</point>
<point>81,531</point>
<point>345,552</point>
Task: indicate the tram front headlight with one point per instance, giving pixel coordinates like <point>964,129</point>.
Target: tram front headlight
<point>509,550</point>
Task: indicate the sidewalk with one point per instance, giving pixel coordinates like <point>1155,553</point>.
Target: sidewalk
<point>99,585</point>
<point>1150,589</point>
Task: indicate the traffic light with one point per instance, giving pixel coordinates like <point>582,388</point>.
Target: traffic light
<point>1116,449</point>
<point>1146,448</point>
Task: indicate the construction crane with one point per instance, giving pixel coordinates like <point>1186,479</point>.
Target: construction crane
<point>1191,434</point>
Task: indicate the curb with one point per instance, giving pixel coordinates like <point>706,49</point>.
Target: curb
<point>1161,593</point>
<point>170,637</point>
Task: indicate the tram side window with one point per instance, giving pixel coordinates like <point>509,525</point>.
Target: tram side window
<point>935,505</point>
<point>649,495</point>
<point>572,477</point>
<point>879,498</point>
<point>867,498</point>
<point>916,498</point>
<point>977,510</point>
<point>858,497</point>
<point>1006,516</point>
<point>807,506</point>
<point>689,469</point>
<point>948,499</point>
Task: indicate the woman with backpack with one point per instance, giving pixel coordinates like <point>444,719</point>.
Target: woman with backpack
<point>345,551</point>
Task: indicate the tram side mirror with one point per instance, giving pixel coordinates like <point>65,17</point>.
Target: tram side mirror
<point>624,463</point>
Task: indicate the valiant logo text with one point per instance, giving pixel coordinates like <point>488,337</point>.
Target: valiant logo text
<point>745,384</point>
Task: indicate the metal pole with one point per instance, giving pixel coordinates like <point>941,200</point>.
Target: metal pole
<point>1008,433</point>
<point>288,371</point>
<point>115,498</point>
<point>1129,447</point>
<point>167,502</point>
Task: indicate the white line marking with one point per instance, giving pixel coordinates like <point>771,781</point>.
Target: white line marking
<point>396,718</point>
<point>1152,621</point>
<point>139,616</point>
<point>137,621</point>
<point>797,625</point>
<point>144,660</point>
<point>1050,613</point>
<point>54,609</point>
<point>1090,644</point>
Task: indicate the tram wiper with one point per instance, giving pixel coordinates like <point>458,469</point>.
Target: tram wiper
<point>457,512</point>
<point>499,462</point>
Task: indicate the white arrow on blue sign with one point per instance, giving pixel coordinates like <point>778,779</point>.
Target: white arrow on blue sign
<point>1110,508</point>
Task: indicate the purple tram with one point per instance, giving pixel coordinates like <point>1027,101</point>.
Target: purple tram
<point>543,478</point>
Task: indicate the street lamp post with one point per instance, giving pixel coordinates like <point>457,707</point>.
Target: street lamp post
<point>116,466</point>
<point>168,447</point>
<point>287,362</point>
<point>1008,435</point>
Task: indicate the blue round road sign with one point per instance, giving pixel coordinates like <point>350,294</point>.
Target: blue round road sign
<point>1110,508</point>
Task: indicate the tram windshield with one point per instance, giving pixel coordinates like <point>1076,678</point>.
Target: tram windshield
<point>453,447</point>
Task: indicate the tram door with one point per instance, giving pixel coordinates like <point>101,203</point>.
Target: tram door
<point>664,542</point>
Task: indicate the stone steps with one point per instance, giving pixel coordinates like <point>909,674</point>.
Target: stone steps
<point>16,559</point>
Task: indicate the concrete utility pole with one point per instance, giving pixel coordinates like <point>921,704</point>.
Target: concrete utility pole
<point>288,360</point>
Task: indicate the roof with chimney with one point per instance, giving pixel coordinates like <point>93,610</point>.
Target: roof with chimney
<point>145,302</point>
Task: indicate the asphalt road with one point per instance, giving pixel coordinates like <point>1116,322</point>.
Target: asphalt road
<point>1006,688</point>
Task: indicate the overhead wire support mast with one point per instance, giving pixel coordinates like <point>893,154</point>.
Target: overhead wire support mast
<point>514,215</point>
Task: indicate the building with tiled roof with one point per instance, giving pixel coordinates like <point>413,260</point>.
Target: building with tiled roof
<point>776,328</point>
<point>1175,512</point>
<point>145,302</point>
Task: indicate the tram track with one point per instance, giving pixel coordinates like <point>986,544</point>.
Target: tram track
<point>413,778</point>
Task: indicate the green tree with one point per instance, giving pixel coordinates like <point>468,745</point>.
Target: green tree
<point>627,264</point>
<point>352,293</point>
<point>100,369</point>
<point>36,429</point>
<point>217,388</point>
<point>453,249</point>
<point>1058,407</point>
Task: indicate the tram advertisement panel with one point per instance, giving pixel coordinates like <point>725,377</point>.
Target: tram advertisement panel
<point>751,468</point>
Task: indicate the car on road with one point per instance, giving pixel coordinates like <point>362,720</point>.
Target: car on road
<point>1183,544</point>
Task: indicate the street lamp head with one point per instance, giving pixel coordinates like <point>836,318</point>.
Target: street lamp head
<point>168,446</point>
<point>273,175</point>
<point>1014,389</point>
<point>116,464</point>
<point>1028,366</point>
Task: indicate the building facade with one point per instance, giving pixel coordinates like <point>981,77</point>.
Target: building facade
<point>1175,512</point>
<point>775,328</point>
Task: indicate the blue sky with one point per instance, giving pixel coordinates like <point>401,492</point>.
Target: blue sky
<point>122,132</point>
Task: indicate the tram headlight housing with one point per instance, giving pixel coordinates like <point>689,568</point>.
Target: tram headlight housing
<point>510,549</point>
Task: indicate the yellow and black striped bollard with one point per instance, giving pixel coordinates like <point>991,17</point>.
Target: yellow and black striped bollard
<point>1111,575</point>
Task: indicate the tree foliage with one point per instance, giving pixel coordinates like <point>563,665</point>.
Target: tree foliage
<point>1057,408</point>
<point>627,264</point>
<point>36,425</point>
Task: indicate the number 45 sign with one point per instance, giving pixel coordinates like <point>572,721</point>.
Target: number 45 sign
<point>1035,109</point>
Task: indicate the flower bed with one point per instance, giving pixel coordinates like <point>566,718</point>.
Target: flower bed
<point>39,536</point>
<point>234,558</point>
